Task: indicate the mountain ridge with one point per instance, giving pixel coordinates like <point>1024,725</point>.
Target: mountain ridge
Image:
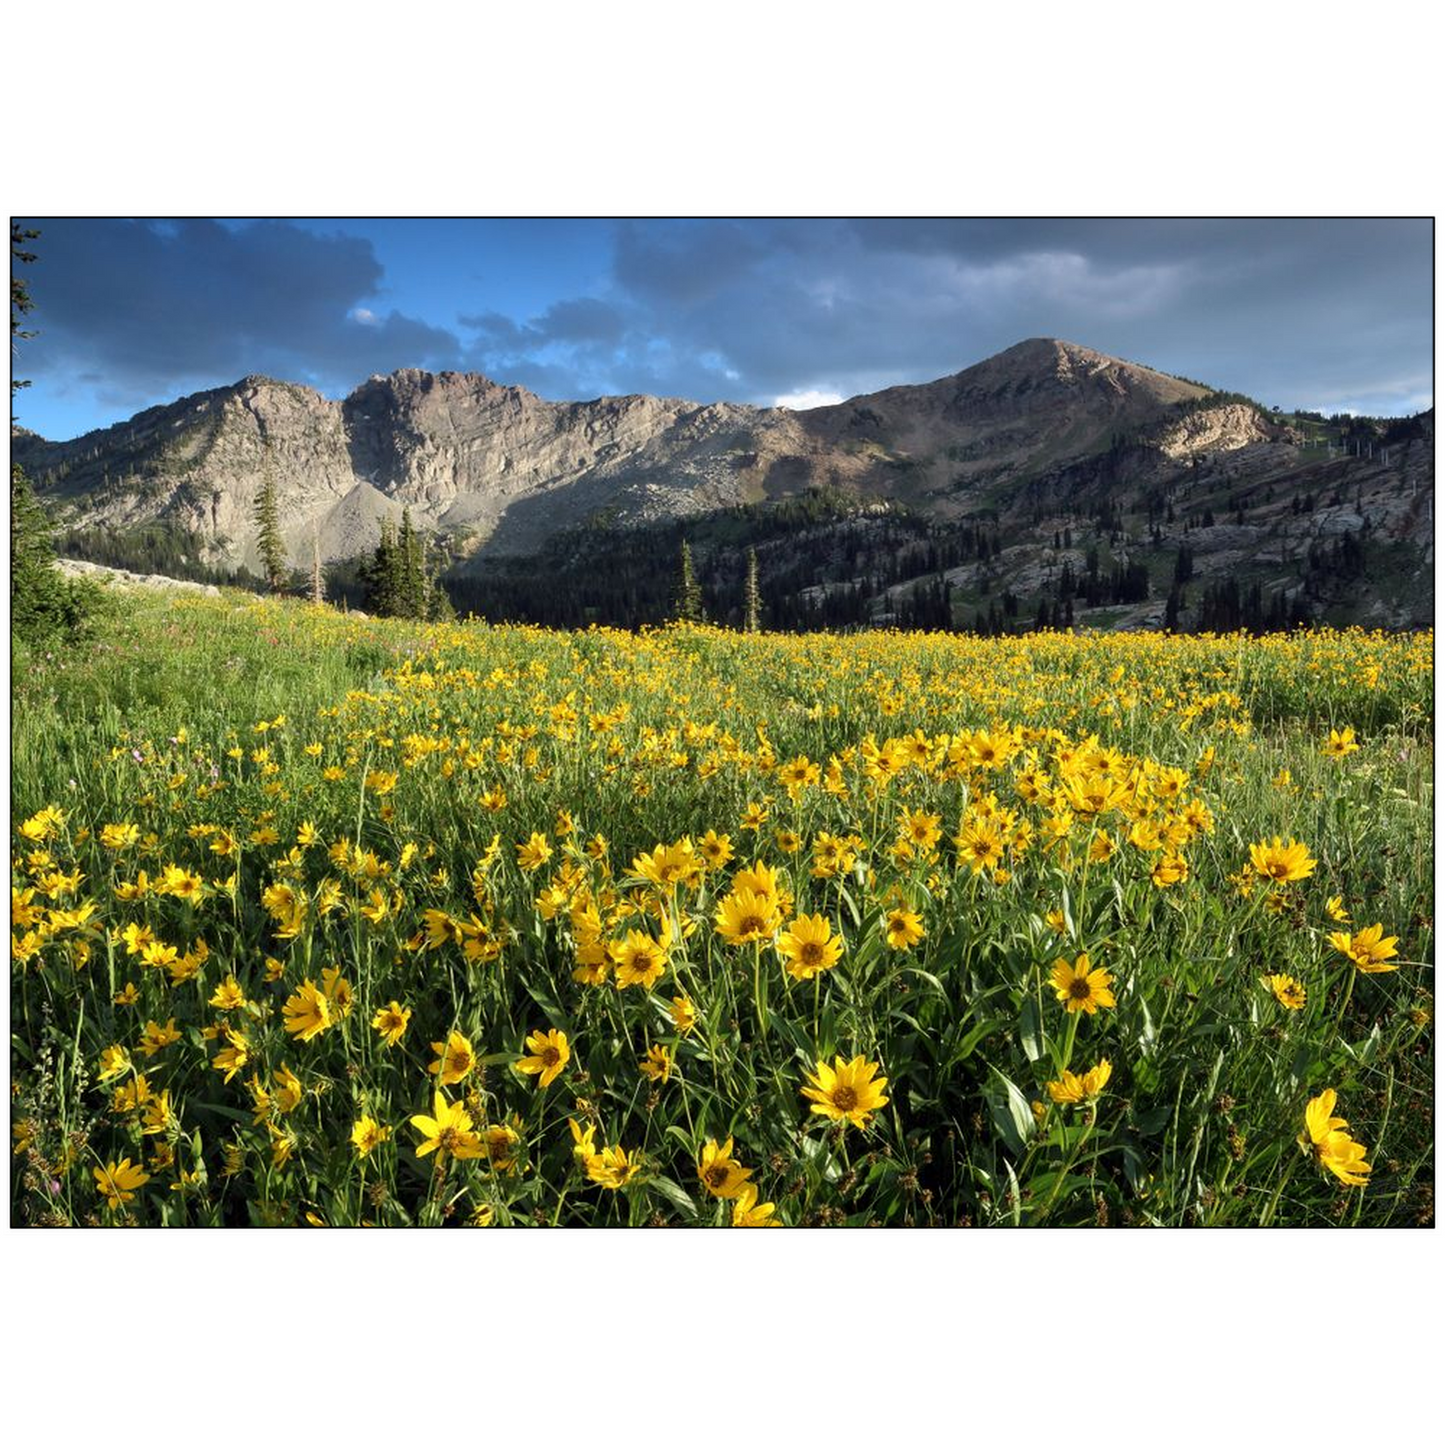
<point>1033,347</point>
<point>502,468</point>
<point>1046,427</point>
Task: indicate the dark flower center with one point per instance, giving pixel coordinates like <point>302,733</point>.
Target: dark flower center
<point>845,1098</point>
<point>1079,988</point>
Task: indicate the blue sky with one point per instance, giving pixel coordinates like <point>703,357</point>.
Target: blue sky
<point>1332,315</point>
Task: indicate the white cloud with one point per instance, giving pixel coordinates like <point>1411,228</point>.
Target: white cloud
<point>802,400</point>
<point>361,314</point>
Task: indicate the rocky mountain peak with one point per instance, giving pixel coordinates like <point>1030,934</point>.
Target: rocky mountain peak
<point>1050,362</point>
<point>410,381</point>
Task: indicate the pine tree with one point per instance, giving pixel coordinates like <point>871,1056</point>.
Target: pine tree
<point>687,603</point>
<point>411,600</point>
<point>42,603</point>
<point>1172,609</point>
<point>380,575</point>
<point>438,602</point>
<point>268,537</point>
<point>752,597</point>
<point>20,302</point>
<point>400,580</point>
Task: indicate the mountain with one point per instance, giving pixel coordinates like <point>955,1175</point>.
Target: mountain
<point>1037,403</point>
<point>507,469</point>
<point>1044,431</point>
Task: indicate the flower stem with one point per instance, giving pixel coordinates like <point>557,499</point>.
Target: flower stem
<point>1069,1039</point>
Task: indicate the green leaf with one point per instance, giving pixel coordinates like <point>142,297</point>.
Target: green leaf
<point>544,1000</point>
<point>1367,1048</point>
<point>1150,1121</point>
<point>1133,1167</point>
<point>1147,1035</point>
<point>1014,1193</point>
<point>972,1039</point>
<point>238,1115</point>
<point>1306,1057</point>
<point>1057,1185</point>
<point>1031,1031</point>
<point>682,1137</point>
<point>818,1156</point>
<point>927,977</point>
<point>1013,1120</point>
<point>675,1196</point>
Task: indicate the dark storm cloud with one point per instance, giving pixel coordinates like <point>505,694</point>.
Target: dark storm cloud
<point>582,320</point>
<point>753,310</point>
<point>1333,314</point>
<point>578,322</point>
<point>159,308</point>
<point>685,263</point>
<point>1296,312</point>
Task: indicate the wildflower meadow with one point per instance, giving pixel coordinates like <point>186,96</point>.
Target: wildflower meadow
<point>318,919</point>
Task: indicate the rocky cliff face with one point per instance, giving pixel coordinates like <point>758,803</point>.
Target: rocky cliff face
<point>496,465</point>
<point>198,466</point>
<point>500,463</point>
<point>1218,429</point>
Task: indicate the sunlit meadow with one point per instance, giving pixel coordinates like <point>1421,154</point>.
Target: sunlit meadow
<point>319,919</point>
